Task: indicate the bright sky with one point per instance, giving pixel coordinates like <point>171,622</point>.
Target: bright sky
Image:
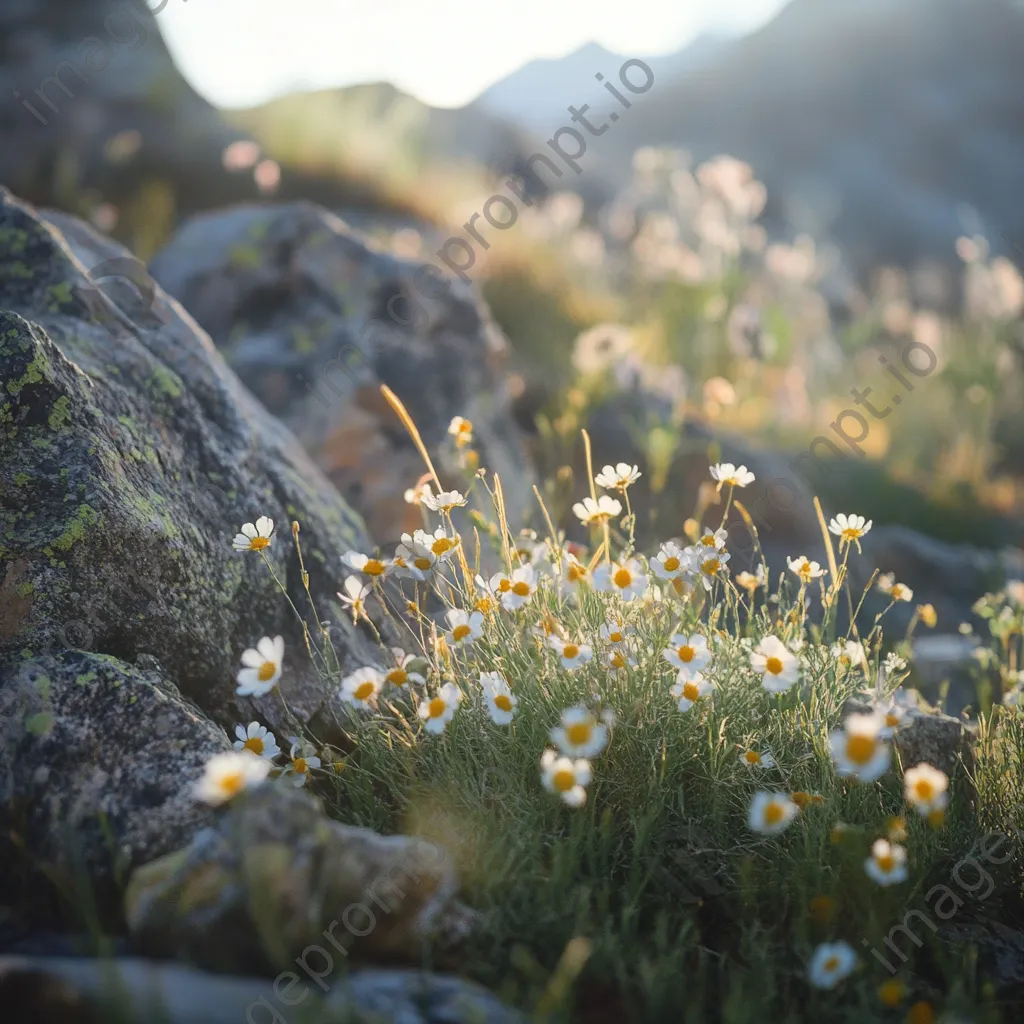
<point>241,52</point>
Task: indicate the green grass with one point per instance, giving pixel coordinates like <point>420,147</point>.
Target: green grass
<point>656,900</point>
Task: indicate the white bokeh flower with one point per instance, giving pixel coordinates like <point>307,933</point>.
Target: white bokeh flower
<point>261,667</point>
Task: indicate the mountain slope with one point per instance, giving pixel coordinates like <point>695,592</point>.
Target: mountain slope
<point>876,124</point>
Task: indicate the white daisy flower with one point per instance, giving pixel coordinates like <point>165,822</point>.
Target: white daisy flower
<point>515,590</point>
<point>593,513</point>
<point>689,654</point>
<point>619,658</point>
<point>734,476</point>
<point>500,701</point>
<point>830,964</point>
<point>751,581</point>
<point>581,733</point>
<point>893,714</point>
<point>362,686</point>
<point>771,813</point>
<point>572,654</point>
<point>438,711</point>
<point>405,670</point>
<point>415,495</point>
<point>254,537</point>
<point>445,501</point>
<point>670,562</point>
<point>228,774</point>
<point>414,560</point>
<point>573,573</point>
<point>778,667</point>
<point>627,579</point>
<point>926,789</point>
<point>711,540</point>
<point>711,566</point>
<point>858,750</point>
<point>262,667</point>
<point>805,569</point>
<point>849,529</point>
<point>257,739</point>
<point>690,688</point>
<point>300,765</point>
<point>464,627</point>
<point>375,568</point>
<point>848,653</point>
<point>615,632</point>
<point>353,595</point>
<point>901,592</point>
<point>566,777</point>
<point>441,544</point>
<point>619,477</point>
<point>756,759</point>
<point>887,864</point>
<point>462,430</point>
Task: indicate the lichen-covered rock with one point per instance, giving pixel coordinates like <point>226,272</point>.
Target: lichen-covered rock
<point>97,763</point>
<point>79,991</point>
<point>273,876</point>
<point>313,321</point>
<point>130,454</point>
<point>944,742</point>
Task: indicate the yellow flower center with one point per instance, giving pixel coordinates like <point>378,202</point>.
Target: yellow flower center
<point>255,744</point>
<point>890,993</point>
<point>267,670</point>
<point>579,733</point>
<point>232,783</point>
<point>616,637</point>
<point>773,814</point>
<point>505,586</point>
<point>521,589</point>
<point>461,632</point>
<point>442,545</point>
<point>800,798</point>
<point>897,592</point>
<point>502,702</point>
<point>686,653</point>
<point>752,757</point>
<point>886,862</point>
<point>484,605</point>
<point>399,561</point>
<point>892,720</point>
<point>618,660</point>
<point>831,964</point>
<point>259,543</point>
<point>576,572</point>
<point>671,564</point>
<point>708,540</point>
<point>437,707</point>
<point>924,790</point>
<point>564,780</point>
<point>374,567</point>
<point>860,749</point>
<point>773,665</point>
<point>422,563</point>
<point>300,766</point>
<point>622,578</point>
<point>363,690</point>
<point>850,533</point>
<point>691,691</point>
<point>711,566</point>
<point>570,651</point>
<point>398,676</point>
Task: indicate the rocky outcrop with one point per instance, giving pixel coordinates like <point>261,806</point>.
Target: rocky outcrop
<point>273,878</point>
<point>313,320</point>
<point>80,991</point>
<point>130,454</point>
<point>97,763</point>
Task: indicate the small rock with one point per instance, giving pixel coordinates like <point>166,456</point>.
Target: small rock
<point>130,991</point>
<point>940,740</point>
<point>273,877</point>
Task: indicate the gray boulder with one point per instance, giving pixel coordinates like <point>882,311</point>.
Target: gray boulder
<point>314,320</point>
<point>97,762</point>
<point>79,991</point>
<point>130,454</point>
